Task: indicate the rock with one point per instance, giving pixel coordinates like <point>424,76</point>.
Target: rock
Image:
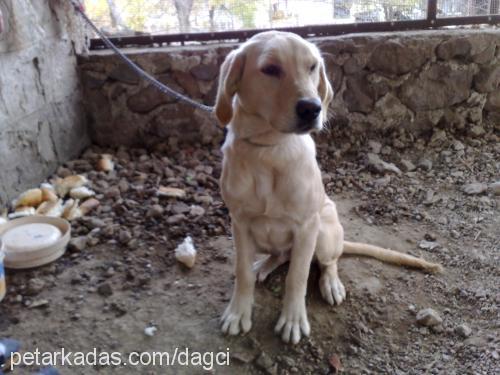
<point>124,236</point>
<point>453,48</point>
<point>78,244</point>
<point>457,145</point>
<point>359,96</point>
<point>428,245</point>
<point>374,146</point>
<point>379,166</point>
<point>196,210</point>
<point>495,187</point>
<point>440,86</point>
<point>180,208</point>
<point>428,317</point>
<point>148,98</point>
<point>425,164</point>
<point>205,72</point>
<point>394,58</point>
<point>170,192</point>
<point>407,165</point>
<point>35,286</point>
<point>438,138</point>
<point>264,362</point>
<point>123,185</point>
<point>175,219</point>
<point>155,211</point>
<point>476,131</point>
<point>105,290</point>
<point>463,330</point>
<point>474,188</point>
<point>488,79</point>
<point>95,222</point>
<point>124,74</point>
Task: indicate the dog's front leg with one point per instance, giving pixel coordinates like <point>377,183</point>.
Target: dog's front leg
<point>293,321</point>
<point>238,314</point>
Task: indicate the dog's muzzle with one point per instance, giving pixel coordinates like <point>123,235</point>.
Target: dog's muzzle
<point>307,111</point>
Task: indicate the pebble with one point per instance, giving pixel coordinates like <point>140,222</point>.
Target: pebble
<point>376,164</point>
<point>495,188</point>
<point>474,188</point>
<point>78,244</point>
<point>407,165</point>
<point>124,236</point>
<point>105,290</point>
<point>428,245</point>
<point>155,211</point>
<point>425,164</point>
<point>463,330</point>
<point>375,146</point>
<point>35,286</point>
<point>196,210</point>
<point>428,317</point>
<point>175,219</point>
<point>264,362</point>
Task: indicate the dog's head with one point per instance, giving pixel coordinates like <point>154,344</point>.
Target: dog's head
<point>278,77</point>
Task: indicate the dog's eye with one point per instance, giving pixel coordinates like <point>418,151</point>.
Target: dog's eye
<point>312,68</point>
<point>272,70</point>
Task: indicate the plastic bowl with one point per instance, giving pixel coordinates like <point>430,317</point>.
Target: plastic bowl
<point>34,241</point>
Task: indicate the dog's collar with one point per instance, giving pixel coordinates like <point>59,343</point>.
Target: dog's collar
<point>256,144</point>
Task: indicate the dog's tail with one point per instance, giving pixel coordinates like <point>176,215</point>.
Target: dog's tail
<point>390,256</point>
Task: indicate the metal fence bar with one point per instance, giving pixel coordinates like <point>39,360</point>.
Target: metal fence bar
<point>432,21</point>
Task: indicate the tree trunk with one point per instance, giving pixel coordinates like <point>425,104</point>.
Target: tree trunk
<point>114,13</point>
<point>183,8</point>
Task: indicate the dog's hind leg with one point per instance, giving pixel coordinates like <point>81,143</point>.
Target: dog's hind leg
<point>328,251</point>
<point>265,266</point>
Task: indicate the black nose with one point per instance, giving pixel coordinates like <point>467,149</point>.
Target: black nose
<point>308,109</point>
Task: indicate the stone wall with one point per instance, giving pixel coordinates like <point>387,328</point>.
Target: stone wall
<point>42,122</point>
<point>411,80</point>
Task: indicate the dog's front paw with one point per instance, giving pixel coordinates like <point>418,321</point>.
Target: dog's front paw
<point>237,316</point>
<point>332,289</point>
<point>293,323</point>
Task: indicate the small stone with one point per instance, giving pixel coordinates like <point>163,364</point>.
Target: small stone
<point>78,244</point>
<point>463,330</point>
<point>428,245</point>
<point>94,222</point>
<point>375,146</point>
<point>105,290</point>
<point>376,164</point>
<point>155,211</point>
<point>264,362</point>
<point>428,317</point>
<point>425,164</point>
<point>171,192</point>
<point>476,131</point>
<point>457,145</point>
<point>407,165</point>
<point>180,208</point>
<point>124,236</point>
<point>475,188</point>
<point>175,219</point>
<point>495,188</point>
<point>39,303</point>
<point>123,185</point>
<point>196,210</point>
<point>35,286</point>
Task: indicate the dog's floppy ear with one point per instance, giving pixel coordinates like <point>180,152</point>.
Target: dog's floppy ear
<point>229,78</point>
<point>325,90</point>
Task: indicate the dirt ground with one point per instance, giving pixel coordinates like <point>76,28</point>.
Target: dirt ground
<point>120,276</point>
